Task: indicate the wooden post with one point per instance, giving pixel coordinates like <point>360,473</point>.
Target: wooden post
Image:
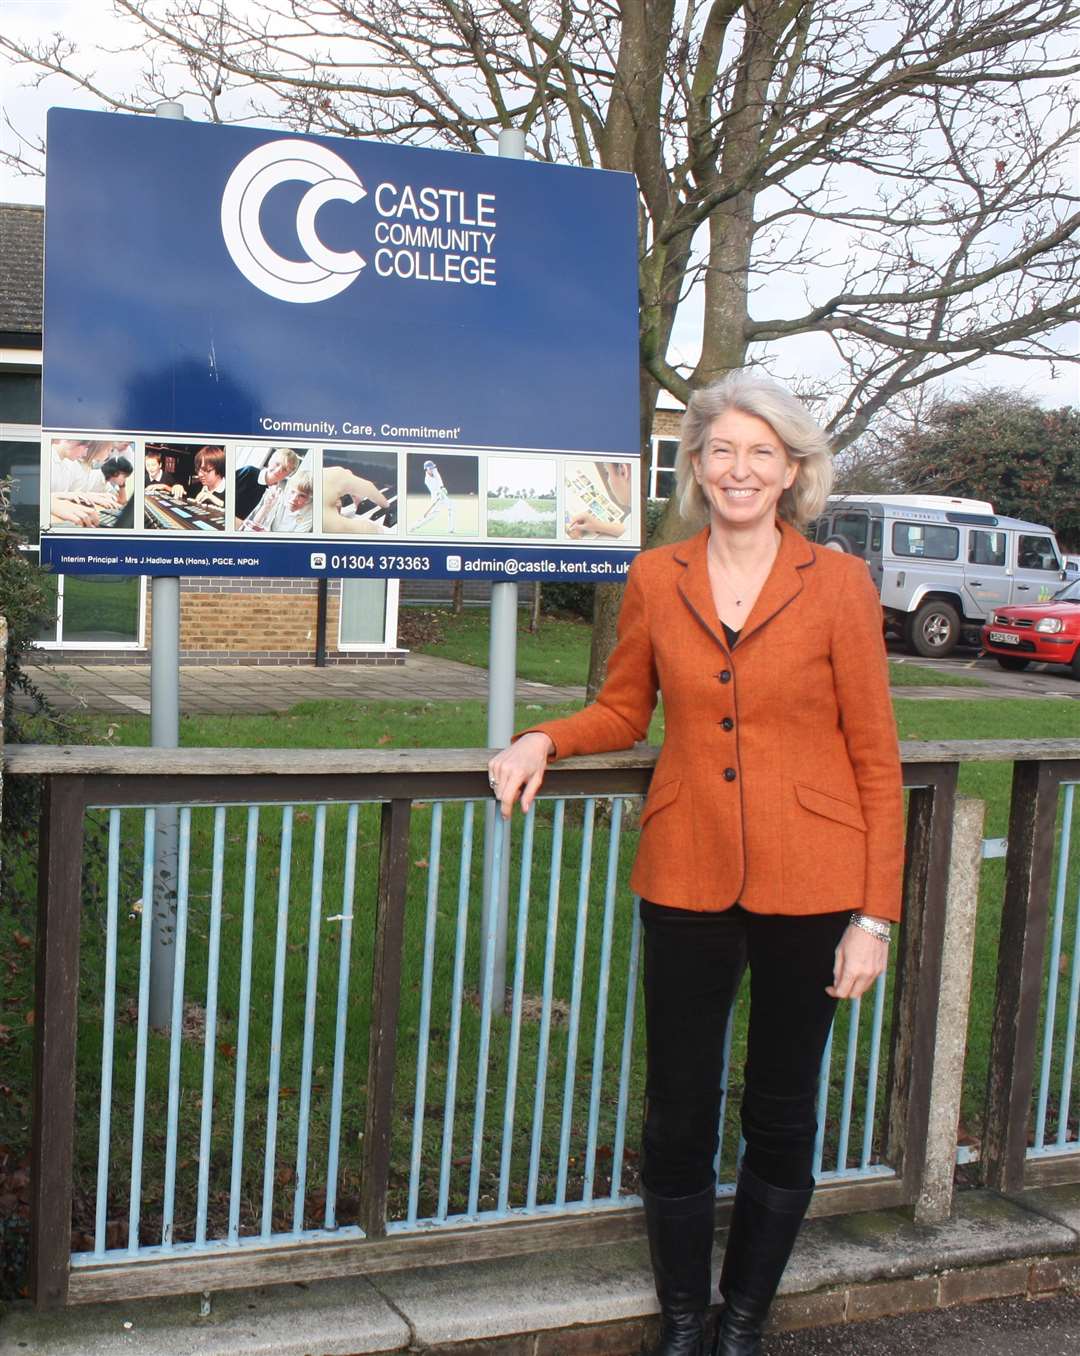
<point>385,999</point>
<point>1021,951</point>
<point>918,970</point>
<point>56,1003</point>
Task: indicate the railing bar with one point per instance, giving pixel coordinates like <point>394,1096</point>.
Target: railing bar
<point>619,1145</point>
<point>725,1084</point>
<point>575,998</point>
<point>1050,1018</point>
<point>851,1058</point>
<point>823,1101</point>
<point>876,1024</point>
<point>455,1008</point>
<point>139,1114</point>
<point>348,904</point>
<point>600,1035</point>
<point>251,856</point>
<point>1069,1054</point>
<point>424,1031</point>
<point>520,949</point>
<point>554,878</point>
<point>270,1160</point>
<point>108,1024</point>
<point>176,1030</point>
<point>310,1001</point>
<point>500,849</point>
<point>210,1037</point>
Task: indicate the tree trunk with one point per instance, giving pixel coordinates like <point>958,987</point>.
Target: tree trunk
<point>534,617</point>
<point>457,597</point>
<point>606,606</point>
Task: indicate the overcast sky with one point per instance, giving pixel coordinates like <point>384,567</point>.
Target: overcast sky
<point>91,22</point>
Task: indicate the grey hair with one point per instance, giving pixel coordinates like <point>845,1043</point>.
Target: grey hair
<point>803,438</point>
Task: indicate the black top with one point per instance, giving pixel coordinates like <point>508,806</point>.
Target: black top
<point>731,634</point>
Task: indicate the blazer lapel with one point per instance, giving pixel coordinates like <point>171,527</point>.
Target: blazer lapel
<point>694,585</point>
<point>784,581</point>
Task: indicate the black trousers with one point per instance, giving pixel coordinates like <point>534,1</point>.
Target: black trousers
<point>693,964</point>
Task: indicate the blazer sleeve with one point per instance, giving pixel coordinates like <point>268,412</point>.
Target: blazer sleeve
<point>620,715</point>
<point>861,675</point>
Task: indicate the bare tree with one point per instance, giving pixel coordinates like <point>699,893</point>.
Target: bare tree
<point>887,176</point>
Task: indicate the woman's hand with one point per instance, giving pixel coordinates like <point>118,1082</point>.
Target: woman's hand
<point>860,958</point>
<point>519,770</point>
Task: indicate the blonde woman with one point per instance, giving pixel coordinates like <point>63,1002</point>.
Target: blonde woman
<point>771,837</point>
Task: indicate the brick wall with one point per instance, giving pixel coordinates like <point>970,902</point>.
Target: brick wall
<point>246,621</point>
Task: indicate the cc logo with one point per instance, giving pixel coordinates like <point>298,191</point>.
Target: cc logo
<point>326,272</point>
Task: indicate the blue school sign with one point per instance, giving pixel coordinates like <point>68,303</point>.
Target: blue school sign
<point>223,284</point>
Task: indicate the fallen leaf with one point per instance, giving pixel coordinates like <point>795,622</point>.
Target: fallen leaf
<point>421,863</point>
<point>29,1018</point>
<point>21,939</point>
<point>384,739</point>
<point>229,1051</point>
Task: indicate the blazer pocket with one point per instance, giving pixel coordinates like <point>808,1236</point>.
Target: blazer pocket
<point>658,799</point>
<point>821,803</point>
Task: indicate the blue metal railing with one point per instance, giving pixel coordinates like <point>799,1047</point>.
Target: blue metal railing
<point>1056,1129</point>
<point>513,1106</point>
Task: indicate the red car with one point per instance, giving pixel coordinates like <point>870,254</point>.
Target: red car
<point>1045,632</point>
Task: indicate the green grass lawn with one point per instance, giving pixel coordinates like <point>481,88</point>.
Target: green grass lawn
<point>559,651</point>
<point>381,724</point>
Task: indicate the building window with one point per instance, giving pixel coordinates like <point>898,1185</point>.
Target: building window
<point>662,470</point>
<point>368,619</point>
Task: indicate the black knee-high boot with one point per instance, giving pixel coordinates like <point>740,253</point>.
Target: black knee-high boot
<point>764,1225</point>
<point>680,1245</point>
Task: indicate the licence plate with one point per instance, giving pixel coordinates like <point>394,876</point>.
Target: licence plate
<point>1003,638</point>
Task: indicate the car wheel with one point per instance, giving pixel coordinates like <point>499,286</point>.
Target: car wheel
<point>1012,662</point>
<point>837,543</point>
<point>1074,666</point>
<point>934,630</point>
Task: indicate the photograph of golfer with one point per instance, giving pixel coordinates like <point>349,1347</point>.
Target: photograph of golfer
<point>442,495</point>
<point>359,492</point>
<point>599,497</point>
<point>521,497</point>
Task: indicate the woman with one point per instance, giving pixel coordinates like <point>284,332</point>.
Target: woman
<point>771,835</point>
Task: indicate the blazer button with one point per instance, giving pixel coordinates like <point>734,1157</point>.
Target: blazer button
<point>727,723</point>
<point>730,774</point>
<point>724,675</point>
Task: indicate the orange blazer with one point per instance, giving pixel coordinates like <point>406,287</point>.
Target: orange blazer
<point>778,786</point>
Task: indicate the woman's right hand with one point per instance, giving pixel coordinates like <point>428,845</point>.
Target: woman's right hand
<point>519,771</point>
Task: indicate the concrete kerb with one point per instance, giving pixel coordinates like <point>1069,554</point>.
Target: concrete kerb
<point>597,1300</point>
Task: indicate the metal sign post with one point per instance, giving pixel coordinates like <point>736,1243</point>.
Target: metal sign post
<point>502,684</point>
<point>164,734</point>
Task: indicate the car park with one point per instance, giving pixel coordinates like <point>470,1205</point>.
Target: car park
<point>942,565</point>
<point>1047,632</point>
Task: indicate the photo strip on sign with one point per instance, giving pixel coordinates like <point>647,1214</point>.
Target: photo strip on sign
<point>297,356</point>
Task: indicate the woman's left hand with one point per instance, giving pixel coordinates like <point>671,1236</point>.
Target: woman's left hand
<point>860,958</point>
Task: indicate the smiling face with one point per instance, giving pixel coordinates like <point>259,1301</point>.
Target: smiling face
<point>743,469</point>
<point>277,468</point>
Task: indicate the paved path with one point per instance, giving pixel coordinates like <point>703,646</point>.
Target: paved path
<point>1012,1327</point>
<point>208,689</point>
